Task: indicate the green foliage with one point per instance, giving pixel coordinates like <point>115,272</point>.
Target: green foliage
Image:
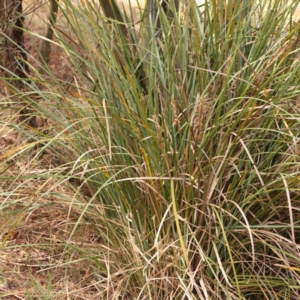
<point>188,144</point>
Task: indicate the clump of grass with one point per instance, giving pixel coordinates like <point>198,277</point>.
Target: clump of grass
<point>179,153</point>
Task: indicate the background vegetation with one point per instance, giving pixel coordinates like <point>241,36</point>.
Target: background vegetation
<point>167,167</point>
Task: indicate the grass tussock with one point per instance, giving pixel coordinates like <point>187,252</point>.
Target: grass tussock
<point>169,167</point>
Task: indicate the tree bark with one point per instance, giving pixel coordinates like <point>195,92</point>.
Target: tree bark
<point>153,10</point>
<point>2,39</point>
<point>13,61</point>
<point>46,44</point>
<point>111,11</point>
<point>2,12</point>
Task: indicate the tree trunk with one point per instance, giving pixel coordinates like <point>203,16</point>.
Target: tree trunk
<point>152,9</point>
<point>2,39</point>
<point>46,44</point>
<point>2,12</point>
<point>111,11</point>
<point>13,58</point>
